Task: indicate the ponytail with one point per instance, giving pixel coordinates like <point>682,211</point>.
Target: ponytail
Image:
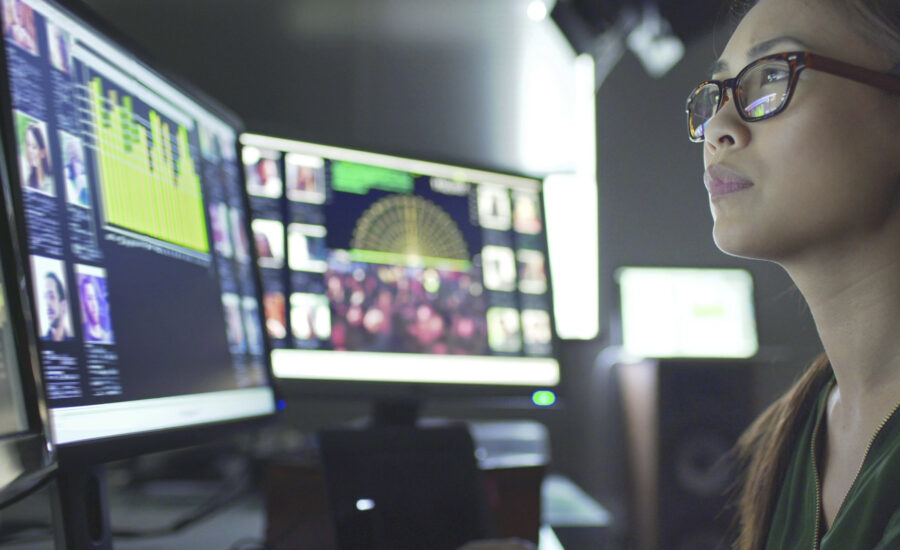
<point>763,452</point>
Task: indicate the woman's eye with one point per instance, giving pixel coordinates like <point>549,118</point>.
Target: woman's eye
<point>770,76</point>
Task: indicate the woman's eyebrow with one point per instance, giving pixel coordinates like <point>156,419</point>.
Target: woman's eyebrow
<point>757,50</point>
<point>768,45</point>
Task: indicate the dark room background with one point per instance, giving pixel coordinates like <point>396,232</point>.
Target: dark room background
<point>439,80</point>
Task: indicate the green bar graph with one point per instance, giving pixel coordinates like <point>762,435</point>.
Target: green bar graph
<point>149,182</point>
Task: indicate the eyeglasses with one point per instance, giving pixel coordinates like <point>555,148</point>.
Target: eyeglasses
<point>765,87</point>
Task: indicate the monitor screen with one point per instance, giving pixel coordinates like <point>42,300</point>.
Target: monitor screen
<point>687,312</point>
<point>379,268</point>
<point>128,189</point>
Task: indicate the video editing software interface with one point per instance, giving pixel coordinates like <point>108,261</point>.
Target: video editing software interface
<point>144,292</point>
<point>382,268</point>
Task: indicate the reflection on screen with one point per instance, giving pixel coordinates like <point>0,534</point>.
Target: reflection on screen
<point>12,407</point>
<point>144,292</point>
<point>370,263</point>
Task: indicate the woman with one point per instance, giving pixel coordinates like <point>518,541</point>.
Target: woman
<point>92,312</point>
<point>76,178</point>
<point>803,169</point>
<point>38,158</point>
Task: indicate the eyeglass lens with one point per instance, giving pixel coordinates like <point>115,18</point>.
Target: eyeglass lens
<point>761,91</point>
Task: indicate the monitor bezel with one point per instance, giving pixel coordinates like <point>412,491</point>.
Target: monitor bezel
<point>502,395</point>
<point>106,449</point>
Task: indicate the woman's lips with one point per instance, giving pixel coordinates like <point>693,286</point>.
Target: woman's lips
<point>722,181</point>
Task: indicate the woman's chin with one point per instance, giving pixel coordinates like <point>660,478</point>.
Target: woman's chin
<point>742,245</point>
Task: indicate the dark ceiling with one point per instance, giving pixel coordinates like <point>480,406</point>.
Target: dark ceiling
<point>688,18</point>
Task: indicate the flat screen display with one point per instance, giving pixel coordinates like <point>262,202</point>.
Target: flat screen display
<point>687,312</point>
<point>379,268</point>
<point>131,195</point>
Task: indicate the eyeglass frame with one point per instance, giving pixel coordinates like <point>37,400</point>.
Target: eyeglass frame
<point>797,61</point>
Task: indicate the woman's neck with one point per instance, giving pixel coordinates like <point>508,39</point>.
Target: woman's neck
<point>854,298</point>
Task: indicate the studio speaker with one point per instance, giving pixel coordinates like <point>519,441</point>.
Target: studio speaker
<point>681,419</point>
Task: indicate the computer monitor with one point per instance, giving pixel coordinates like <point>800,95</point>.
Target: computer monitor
<point>129,200</point>
<point>671,312</point>
<point>391,272</point>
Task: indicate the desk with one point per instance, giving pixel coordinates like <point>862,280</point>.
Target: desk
<point>572,520</point>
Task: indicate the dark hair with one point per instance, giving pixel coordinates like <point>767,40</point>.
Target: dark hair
<point>45,163</point>
<point>763,451</point>
<point>60,289</point>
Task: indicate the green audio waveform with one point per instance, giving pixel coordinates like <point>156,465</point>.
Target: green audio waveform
<point>147,187</point>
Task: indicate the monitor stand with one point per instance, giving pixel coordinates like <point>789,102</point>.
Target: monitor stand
<point>396,412</point>
<point>81,506</point>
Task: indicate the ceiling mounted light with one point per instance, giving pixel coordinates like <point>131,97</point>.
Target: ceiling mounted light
<point>653,42</point>
<point>537,10</point>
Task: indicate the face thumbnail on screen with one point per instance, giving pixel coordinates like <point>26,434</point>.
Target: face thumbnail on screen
<point>144,292</point>
<point>382,268</point>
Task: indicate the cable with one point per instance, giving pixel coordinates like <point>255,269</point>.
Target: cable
<point>218,502</point>
<point>248,544</point>
<point>29,532</point>
<point>34,530</point>
<point>38,485</point>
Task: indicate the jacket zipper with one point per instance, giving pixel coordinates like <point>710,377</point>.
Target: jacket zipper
<point>819,511</point>
<point>816,474</point>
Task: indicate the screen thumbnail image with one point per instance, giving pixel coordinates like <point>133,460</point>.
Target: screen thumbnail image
<point>306,248</point>
<point>269,238</point>
<point>252,328</point>
<point>532,272</point>
<point>237,222</point>
<point>527,212</point>
<point>304,178</point>
<point>74,172</point>
<point>234,322</point>
<point>536,327</point>
<point>215,146</point>
<point>263,173</point>
<point>310,316</point>
<point>276,317</point>
<point>218,220</point>
<point>405,309</point>
<point>504,334</point>
<point>52,299</point>
<point>18,25</point>
<point>34,154</point>
<point>494,211</point>
<point>95,314</point>
<point>60,47</point>
<point>499,267</point>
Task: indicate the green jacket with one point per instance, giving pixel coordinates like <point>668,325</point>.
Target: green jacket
<point>869,518</point>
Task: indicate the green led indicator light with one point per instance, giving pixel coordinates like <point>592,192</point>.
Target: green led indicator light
<point>544,398</point>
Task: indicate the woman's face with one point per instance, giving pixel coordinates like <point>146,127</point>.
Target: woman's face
<point>33,149</point>
<point>91,305</point>
<point>824,171</point>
